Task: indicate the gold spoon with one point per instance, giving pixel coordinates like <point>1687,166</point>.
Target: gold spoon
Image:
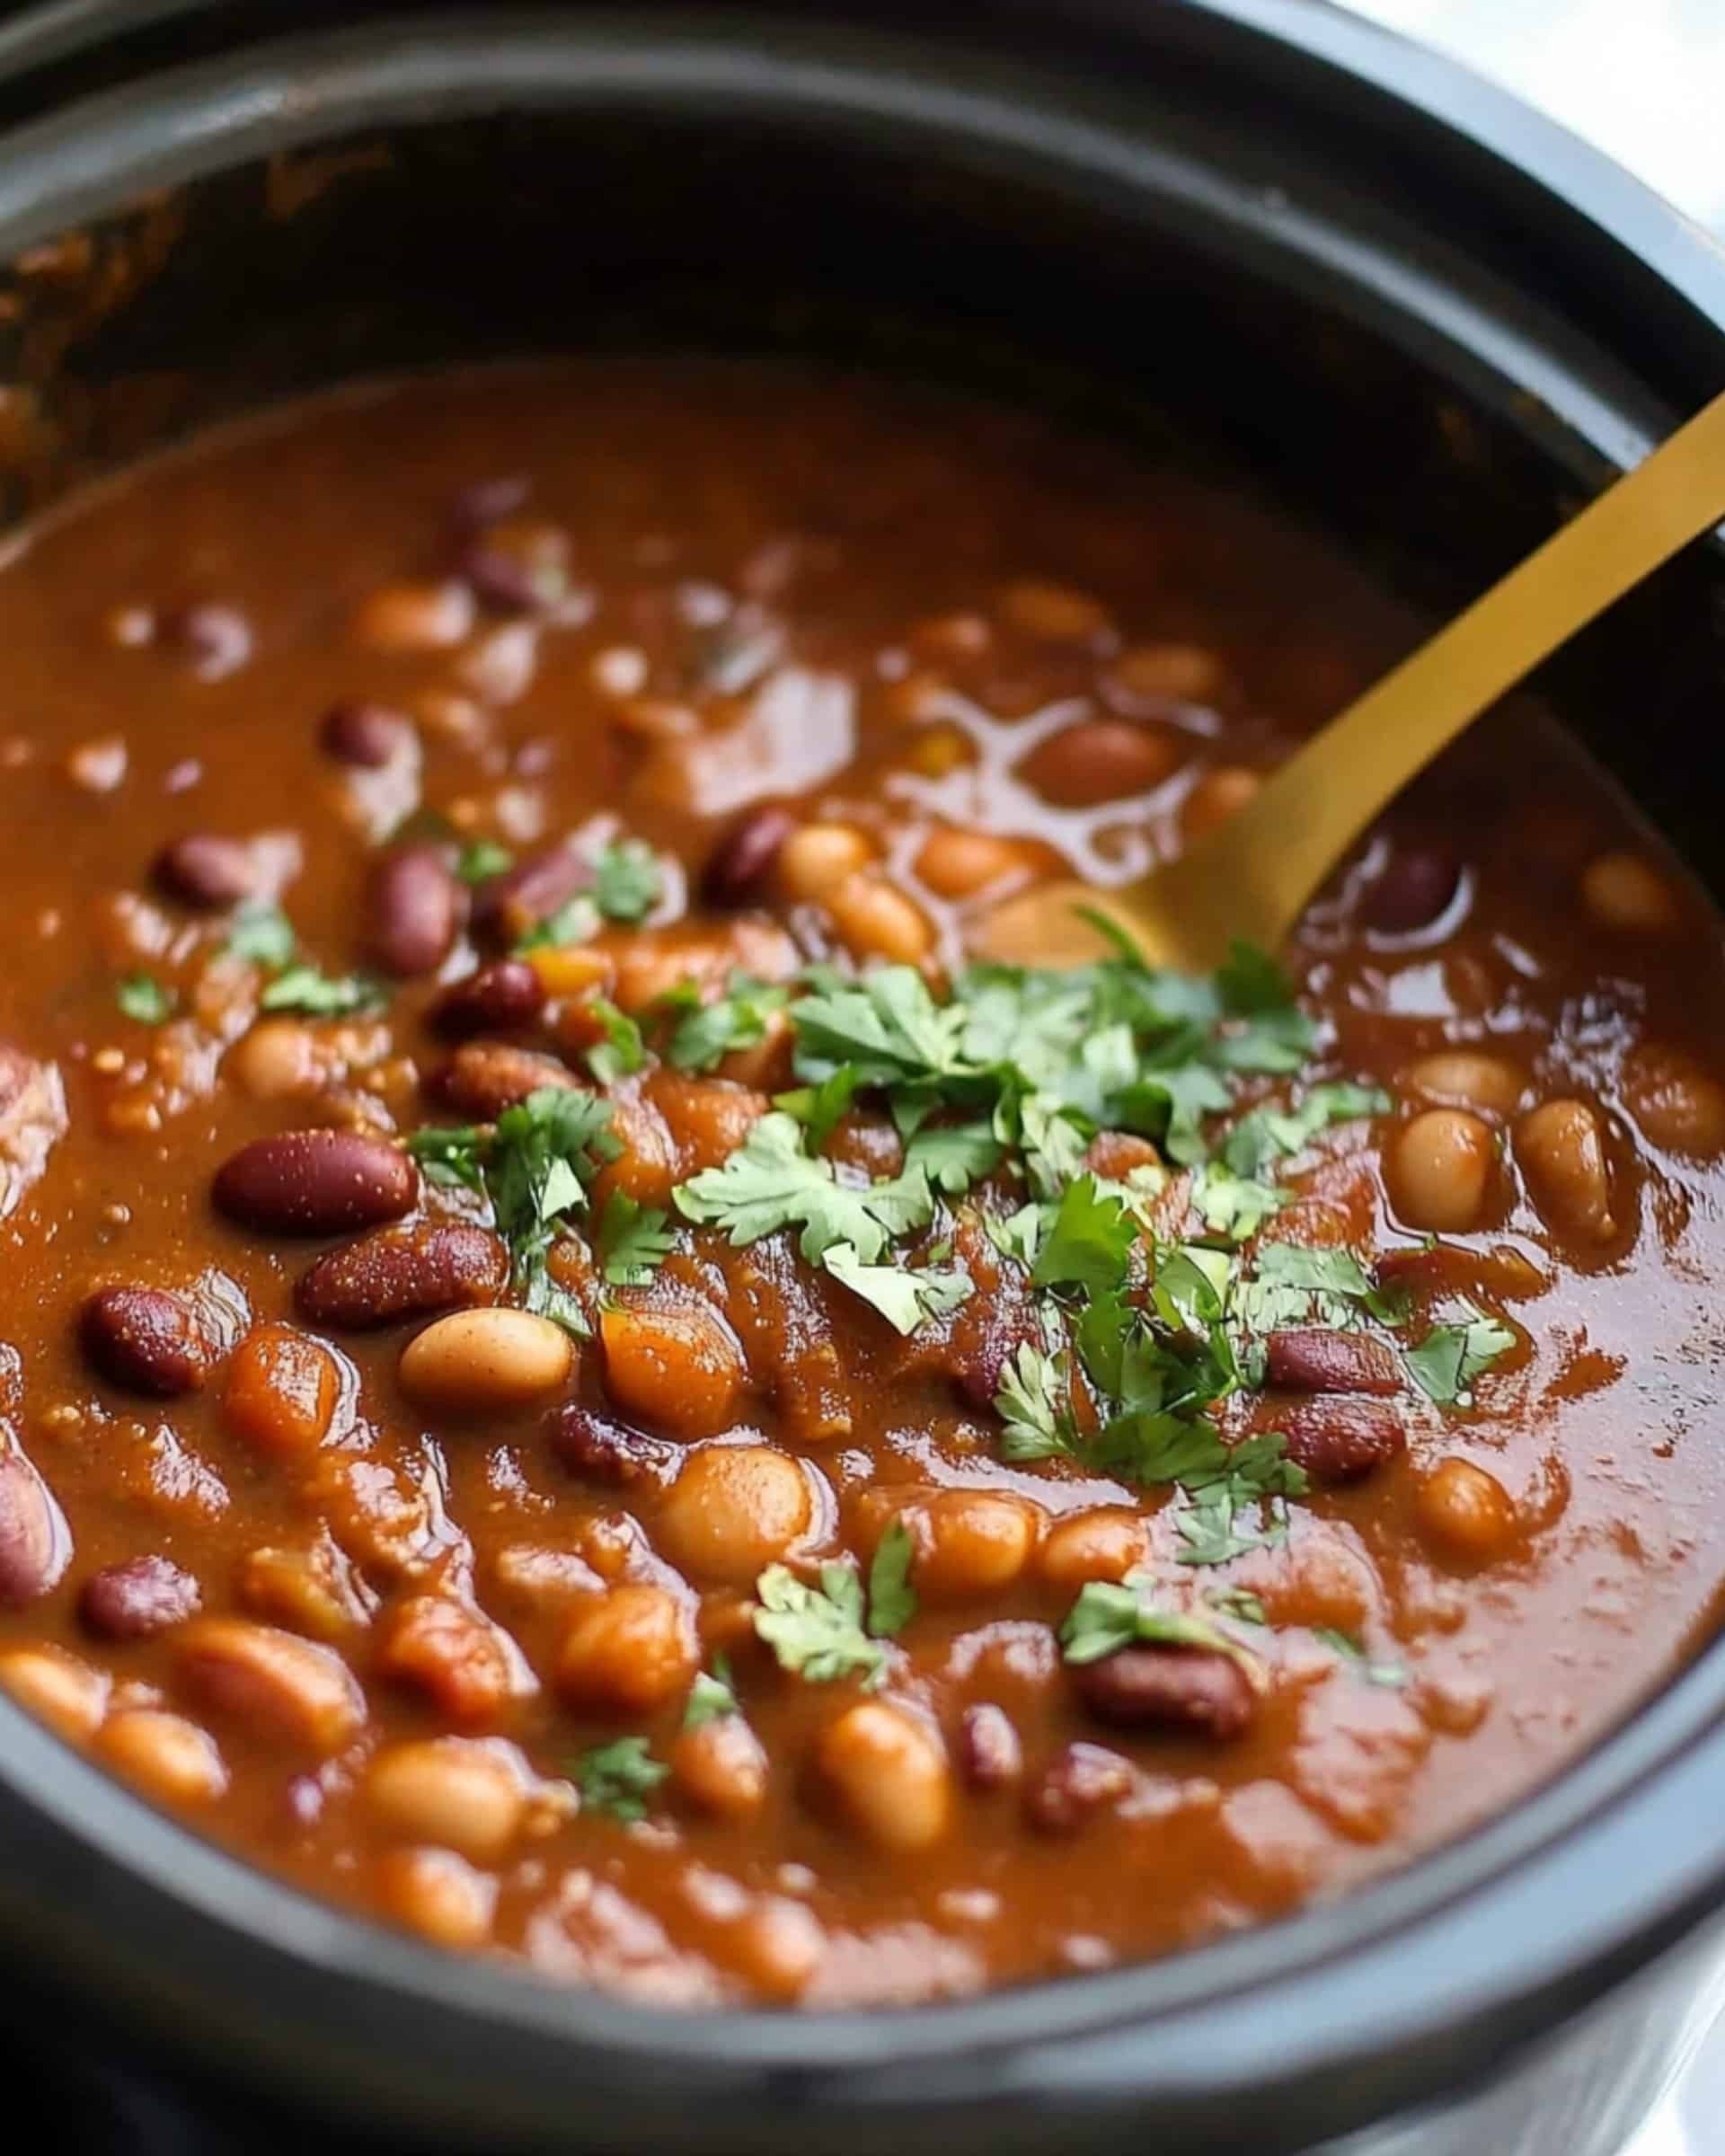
<point>1253,876</point>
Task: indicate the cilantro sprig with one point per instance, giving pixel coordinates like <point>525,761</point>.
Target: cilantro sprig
<point>616,1779</point>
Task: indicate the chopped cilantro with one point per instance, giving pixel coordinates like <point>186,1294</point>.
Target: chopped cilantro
<point>320,995</point>
<point>953,1155</point>
<point>737,1020</point>
<point>892,1600</point>
<point>264,934</point>
<point>1245,1608</point>
<point>770,1183</point>
<point>575,921</point>
<point>144,998</point>
<point>626,879</point>
<point>622,1050</point>
<point>481,859</point>
<point>1392,1675</point>
<point>1089,1242</point>
<point>903,1296</point>
<point>820,1108</point>
<point>1107,1617</point>
<point>1260,1138</point>
<point>817,1632</point>
<point>617,1779</point>
<point>632,1242</point>
<point>1034,1404</point>
<point>711,1697</point>
<point>888,1026</point>
<point>1019,1235</point>
<point>1446,1362</point>
<point>1234,1207</point>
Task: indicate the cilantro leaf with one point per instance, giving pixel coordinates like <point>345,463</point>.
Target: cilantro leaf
<point>451,1155</point>
<point>770,1183</point>
<point>622,1051</point>
<point>144,998</point>
<point>1234,1207</point>
<point>820,1108</point>
<point>1107,1617</point>
<point>737,1020</point>
<point>1258,1138</point>
<point>1446,1362</point>
<point>1170,1106</point>
<point>575,921</point>
<point>888,1025</point>
<point>817,1631</point>
<point>632,1242</point>
<point>307,988</point>
<point>1034,1403</point>
<point>711,1697</point>
<point>264,934</point>
<point>616,1778</point>
<point>903,1296</point>
<point>1090,1241</point>
<point>627,879</point>
<point>892,1600</point>
<point>1392,1675</point>
<point>953,1155</point>
<point>1019,1236</point>
<point>481,859</point>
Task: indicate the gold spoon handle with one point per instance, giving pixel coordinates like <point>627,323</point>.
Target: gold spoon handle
<point>1254,875</point>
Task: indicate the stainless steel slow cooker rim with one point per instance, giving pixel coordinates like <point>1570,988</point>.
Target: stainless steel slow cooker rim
<point>964,2045</point>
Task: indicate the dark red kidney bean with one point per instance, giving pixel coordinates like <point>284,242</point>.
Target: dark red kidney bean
<point>207,872</point>
<point>146,1339</point>
<point>1417,888</point>
<point>500,998</point>
<point>489,501</point>
<point>35,1541</point>
<point>1337,1438</point>
<point>1197,1689</point>
<point>217,639</point>
<point>1081,1780</point>
<point>403,1273</point>
<point>739,865</point>
<point>987,1338</point>
<point>143,1595</point>
<point>989,1754</point>
<point>607,1452</point>
<point>509,905</point>
<point>316,1182</point>
<point>483,1078</point>
<point>367,736</point>
<point>413,910</point>
<point>1312,1359</point>
<point>497,580</point>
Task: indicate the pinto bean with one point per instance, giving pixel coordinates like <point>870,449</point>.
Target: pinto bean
<point>500,998</point>
<point>405,1272</point>
<point>1466,1510</point>
<point>35,1541</point>
<point>678,1364</point>
<point>167,1756</point>
<point>1312,1359</point>
<point>316,1182</point>
<point>146,1339</point>
<point>486,1362</point>
<point>889,1775</point>
<point>1561,1150</point>
<point>469,1667</point>
<point>1625,893</point>
<point>1080,1782</point>
<point>1418,885</point>
<point>733,1510</point>
<point>485,1077</point>
<point>413,910</point>
<point>608,1454</point>
<point>454,1792</point>
<point>207,872</point>
<point>1675,1103</point>
<point>740,866</point>
<point>365,736</point>
<point>280,1687</point>
<point>32,1121</point>
<point>628,1651</point>
<point>1099,760</point>
<point>989,1753</point>
<point>1338,1437</point>
<point>506,906</point>
<point>1195,1689</point>
<point>1439,1168</point>
<point>145,1594</point>
<point>721,1767</point>
<point>58,1688</point>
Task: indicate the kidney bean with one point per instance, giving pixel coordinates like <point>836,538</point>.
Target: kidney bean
<point>1081,1780</point>
<point>489,501</point>
<point>507,906</point>
<point>35,1541</point>
<point>989,1754</point>
<point>402,1273</point>
<point>501,582</point>
<point>277,1686</point>
<point>413,910</point>
<point>1189,1688</point>
<point>1337,1438</point>
<point>146,1339</point>
<point>500,997</point>
<point>207,872</point>
<point>316,1182</point>
<point>740,865</point>
<point>1419,885</point>
<point>1312,1359</point>
<point>988,1336</point>
<point>1099,760</point>
<point>131,1600</point>
<point>482,1079</point>
<point>366,736</point>
<point>607,1452</point>
<point>217,639</point>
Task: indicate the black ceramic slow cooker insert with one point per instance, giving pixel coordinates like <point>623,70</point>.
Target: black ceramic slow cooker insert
<point>1417,311</point>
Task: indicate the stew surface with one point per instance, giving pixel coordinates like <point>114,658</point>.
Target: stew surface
<point>574,1377</point>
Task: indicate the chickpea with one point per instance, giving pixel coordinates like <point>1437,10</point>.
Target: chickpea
<point>675,1364</point>
<point>1624,892</point>
<point>1466,1510</point>
<point>1218,795</point>
<point>277,1060</point>
<point>733,1510</point>
<point>167,1756</point>
<point>56,1687</point>
<point>1439,1168</point>
<point>281,1392</point>
<point>438,1894</point>
<point>815,859</point>
<point>1053,613</point>
<point>1676,1105</point>
<point>971,1543</point>
<point>721,1767</point>
<point>1105,1543</point>
<point>627,1652</point>
<point>876,919</point>
<point>277,1686</point>
<point>958,865</point>
<point>1561,1150</point>
<point>1490,1085</point>
<point>486,1362</point>
<point>889,1776</point>
<point>451,1792</point>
